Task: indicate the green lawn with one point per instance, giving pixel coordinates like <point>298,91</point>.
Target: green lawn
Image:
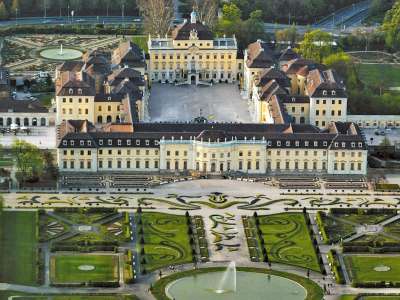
<point>373,74</point>
<point>141,41</point>
<point>348,297</point>
<point>65,268</point>
<point>361,268</point>
<point>18,252</point>
<point>45,98</point>
<point>287,240</point>
<point>4,295</point>
<point>166,240</point>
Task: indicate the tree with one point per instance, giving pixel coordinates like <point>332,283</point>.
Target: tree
<point>339,62</point>
<point>29,160</point>
<point>287,35</point>
<point>14,6</point>
<point>158,15</point>
<point>391,27</point>
<point>207,11</point>
<point>3,11</point>
<point>316,45</point>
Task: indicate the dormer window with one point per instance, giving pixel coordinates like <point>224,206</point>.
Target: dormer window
<point>360,145</point>
<point>278,143</point>
<point>109,142</point>
<point>82,143</point>
<point>156,143</point>
<point>100,142</point>
<point>89,143</point>
<point>343,145</point>
<point>353,145</point>
<point>119,142</point>
<point>128,142</point>
<point>315,144</point>
<point>72,143</point>
<point>325,93</point>
<point>297,143</point>
<point>109,98</point>
<point>287,143</point>
<point>80,91</point>
<point>333,93</point>
<point>336,144</point>
<point>70,91</point>
<point>325,143</point>
<point>147,142</point>
<point>137,142</point>
<point>65,143</point>
<point>306,143</point>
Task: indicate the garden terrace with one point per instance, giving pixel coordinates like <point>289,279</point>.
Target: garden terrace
<point>287,240</point>
<point>80,269</point>
<point>82,181</point>
<point>346,185</point>
<point>373,270</point>
<point>130,181</point>
<point>165,240</point>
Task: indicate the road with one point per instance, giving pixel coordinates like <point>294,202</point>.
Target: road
<point>348,17</point>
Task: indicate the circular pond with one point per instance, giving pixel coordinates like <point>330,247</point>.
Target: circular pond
<point>58,54</point>
<point>249,285</point>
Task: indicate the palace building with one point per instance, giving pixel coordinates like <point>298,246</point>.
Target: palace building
<point>213,148</point>
<point>299,110</point>
<point>96,90</point>
<point>193,55</point>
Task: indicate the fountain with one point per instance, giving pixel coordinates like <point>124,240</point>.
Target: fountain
<point>228,280</point>
<point>232,284</point>
<point>60,53</point>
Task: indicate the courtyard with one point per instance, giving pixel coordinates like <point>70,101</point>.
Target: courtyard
<point>218,103</point>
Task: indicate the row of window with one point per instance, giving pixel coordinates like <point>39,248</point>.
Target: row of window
<point>353,154</point>
<point>296,153</point>
<point>70,100</point>
<point>178,56</point>
<point>110,142</point>
<point>323,112</point>
<point>333,102</point>
<point>296,165</point>
<point>342,166</point>
<point>111,152</point>
<point>120,164</point>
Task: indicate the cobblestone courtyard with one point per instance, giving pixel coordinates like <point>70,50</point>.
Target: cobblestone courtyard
<point>221,102</point>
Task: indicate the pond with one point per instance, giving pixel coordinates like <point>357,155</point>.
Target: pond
<point>248,285</point>
<point>61,54</point>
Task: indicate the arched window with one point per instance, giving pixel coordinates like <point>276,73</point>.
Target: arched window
<point>1,122</point>
<point>34,122</point>
<point>26,122</point>
<point>118,120</point>
<point>99,119</point>
<point>9,121</point>
<point>109,119</point>
<point>18,121</point>
<point>42,121</point>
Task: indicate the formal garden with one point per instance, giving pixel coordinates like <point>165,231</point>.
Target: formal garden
<point>284,238</point>
<point>5,295</point>
<point>373,270</point>
<point>76,269</point>
<point>164,239</point>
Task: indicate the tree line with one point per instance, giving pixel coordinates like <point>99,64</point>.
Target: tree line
<point>38,8</point>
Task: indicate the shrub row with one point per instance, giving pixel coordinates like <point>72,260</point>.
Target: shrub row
<point>201,238</point>
<point>370,247</point>
<point>320,222</point>
<point>362,211</point>
<point>336,267</point>
<point>253,233</point>
<point>129,272</point>
<point>376,284</point>
<point>83,249</point>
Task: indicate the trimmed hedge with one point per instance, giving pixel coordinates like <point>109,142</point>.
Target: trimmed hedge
<point>336,267</point>
<point>321,226</point>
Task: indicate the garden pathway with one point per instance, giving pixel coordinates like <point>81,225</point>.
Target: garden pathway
<point>344,269</point>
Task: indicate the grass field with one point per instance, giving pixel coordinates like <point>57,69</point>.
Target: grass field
<point>362,268</point>
<point>141,41</point>
<point>18,252</point>
<point>348,297</point>
<point>287,240</point>
<point>65,268</point>
<point>4,295</point>
<point>373,74</point>
<point>166,240</point>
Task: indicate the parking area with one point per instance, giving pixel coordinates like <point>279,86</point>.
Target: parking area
<point>219,103</point>
<point>42,137</point>
<point>375,136</point>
